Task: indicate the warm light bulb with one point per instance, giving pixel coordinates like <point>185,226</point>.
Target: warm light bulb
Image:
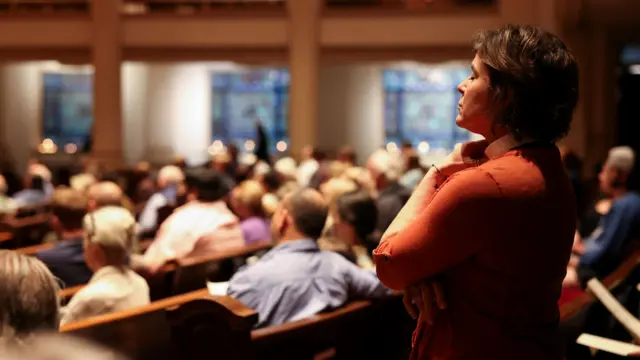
<point>424,147</point>
<point>391,147</point>
<point>70,148</point>
<point>281,146</point>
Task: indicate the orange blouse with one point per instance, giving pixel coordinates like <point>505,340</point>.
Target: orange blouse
<point>498,237</point>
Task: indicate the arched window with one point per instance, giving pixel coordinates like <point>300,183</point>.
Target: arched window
<point>240,99</point>
<point>421,106</point>
<point>67,111</point>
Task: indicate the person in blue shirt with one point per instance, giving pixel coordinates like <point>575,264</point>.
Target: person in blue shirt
<point>296,279</point>
<point>33,194</point>
<point>66,258</point>
<point>602,251</point>
<point>169,179</point>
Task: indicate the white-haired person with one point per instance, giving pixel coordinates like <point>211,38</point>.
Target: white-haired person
<point>28,297</point>
<point>386,169</point>
<point>7,205</point>
<point>109,236</point>
<point>170,179</point>
<point>37,169</point>
<point>58,346</point>
<point>287,169</point>
<point>33,194</point>
<point>602,251</point>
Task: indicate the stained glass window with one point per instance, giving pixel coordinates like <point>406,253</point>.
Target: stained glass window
<point>421,106</point>
<point>240,99</point>
<point>67,112</point>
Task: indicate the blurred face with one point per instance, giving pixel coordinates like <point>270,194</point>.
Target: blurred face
<point>236,204</point>
<point>607,178</point>
<point>342,230</point>
<point>475,110</point>
<point>279,222</point>
<point>92,255</point>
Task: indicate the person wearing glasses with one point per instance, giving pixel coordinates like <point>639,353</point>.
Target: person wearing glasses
<point>109,235</point>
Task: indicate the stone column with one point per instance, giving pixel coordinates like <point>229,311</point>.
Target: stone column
<point>107,98</point>
<point>304,49</point>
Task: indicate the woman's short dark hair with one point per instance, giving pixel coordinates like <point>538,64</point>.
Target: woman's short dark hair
<point>535,75</point>
<point>359,210</point>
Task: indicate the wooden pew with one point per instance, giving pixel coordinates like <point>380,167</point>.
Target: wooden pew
<point>350,332</point>
<point>193,273</point>
<point>159,331</point>
<point>179,277</point>
<point>611,282</point>
<point>34,249</point>
<point>66,294</point>
<point>585,314</point>
<point>197,323</point>
<point>27,231</point>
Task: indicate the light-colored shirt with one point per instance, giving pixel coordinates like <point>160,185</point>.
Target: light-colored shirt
<point>411,178</point>
<point>306,170</point>
<point>110,290</point>
<point>7,205</point>
<point>296,280</point>
<point>30,197</point>
<point>194,229</point>
<point>149,216</point>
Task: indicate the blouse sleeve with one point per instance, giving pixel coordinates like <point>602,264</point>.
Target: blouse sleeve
<point>456,224</point>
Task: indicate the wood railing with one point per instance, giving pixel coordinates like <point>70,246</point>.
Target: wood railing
<point>136,6</point>
<point>213,6</point>
<point>427,5</point>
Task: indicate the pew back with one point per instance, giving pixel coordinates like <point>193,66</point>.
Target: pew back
<point>157,331</point>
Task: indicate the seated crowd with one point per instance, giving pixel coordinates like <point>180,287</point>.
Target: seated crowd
<point>323,218</point>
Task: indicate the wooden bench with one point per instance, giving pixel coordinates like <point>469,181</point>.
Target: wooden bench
<point>34,249</point>
<point>195,324</point>
<point>179,277</point>
<point>155,332</point>
<point>26,231</point>
<point>584,312</point>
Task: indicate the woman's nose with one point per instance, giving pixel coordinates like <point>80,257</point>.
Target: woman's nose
<point>462,87</point>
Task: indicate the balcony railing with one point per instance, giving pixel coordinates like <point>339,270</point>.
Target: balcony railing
<point>138,6</point>
<point>364,6</point>
<point>200,6</point>
<point>43,6</point>
<point>240,6</point>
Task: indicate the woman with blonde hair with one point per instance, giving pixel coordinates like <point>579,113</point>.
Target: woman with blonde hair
<point>28,297</point>
<point>332,190</point>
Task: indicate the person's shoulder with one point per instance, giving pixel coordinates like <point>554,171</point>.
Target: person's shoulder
<point>54,254</point>
<point>628,201</point>
<point>474,178</point>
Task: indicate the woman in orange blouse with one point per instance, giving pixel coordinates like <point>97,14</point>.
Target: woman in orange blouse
<point>482,246</point>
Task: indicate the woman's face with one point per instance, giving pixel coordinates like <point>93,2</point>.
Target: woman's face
<point>342,230</point>
<point>475,109</point>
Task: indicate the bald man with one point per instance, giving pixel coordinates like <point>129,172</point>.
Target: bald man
<point>103,194</point>
<point>296,280</point>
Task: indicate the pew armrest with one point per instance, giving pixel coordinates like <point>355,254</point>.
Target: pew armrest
<point>617,310</point>
<point>611,346</point>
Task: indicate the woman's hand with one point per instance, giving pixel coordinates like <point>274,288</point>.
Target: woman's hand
<point>464,156</point>
<point>423,300</point>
